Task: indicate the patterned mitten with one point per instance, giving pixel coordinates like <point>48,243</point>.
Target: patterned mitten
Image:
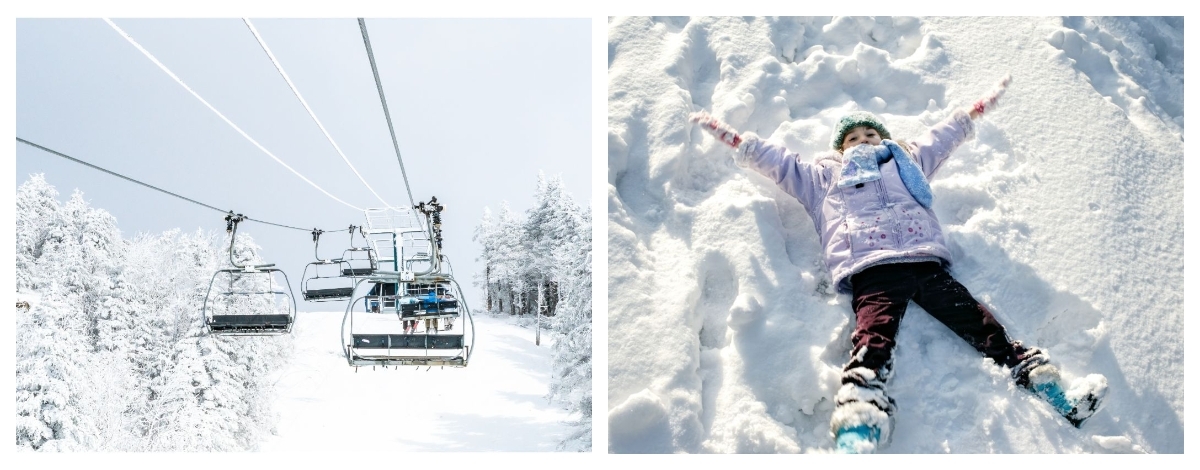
<point>718,129</point>
<point>990,101</point>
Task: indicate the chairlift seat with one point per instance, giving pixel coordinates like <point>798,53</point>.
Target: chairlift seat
<point>339,293</point>
<point>404,341</point>
<point>357,271</point>
<point>250,324</point>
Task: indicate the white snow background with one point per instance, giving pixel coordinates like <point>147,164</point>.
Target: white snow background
<point>1065,215</point>
<point>495,404</point>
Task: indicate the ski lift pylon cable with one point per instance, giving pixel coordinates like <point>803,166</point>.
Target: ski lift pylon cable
<point>296,91</point>
<point>126,178</point>
<point>362,25</point>
<point>222,116</point>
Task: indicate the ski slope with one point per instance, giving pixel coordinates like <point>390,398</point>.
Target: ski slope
<point>1064,214</point>
<point>497,403</point>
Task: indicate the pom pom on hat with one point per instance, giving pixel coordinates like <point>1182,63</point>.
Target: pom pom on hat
<point>855,119</point>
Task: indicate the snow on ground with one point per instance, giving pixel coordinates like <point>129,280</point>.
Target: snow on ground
<point>1065,215</point>
<point>497,403</point>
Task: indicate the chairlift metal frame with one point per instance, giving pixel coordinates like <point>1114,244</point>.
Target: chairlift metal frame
<point>344,288</point>
<point>354,268</point>
<point>398,232</point>
<point>248,324</point>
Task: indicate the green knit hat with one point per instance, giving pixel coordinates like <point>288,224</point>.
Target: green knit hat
<point>855,119</point>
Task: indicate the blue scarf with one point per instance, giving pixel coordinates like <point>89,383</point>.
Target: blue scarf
<point>861,165</point>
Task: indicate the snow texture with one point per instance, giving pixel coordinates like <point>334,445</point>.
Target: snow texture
<point>495,404</point>
<point>1064,215</point>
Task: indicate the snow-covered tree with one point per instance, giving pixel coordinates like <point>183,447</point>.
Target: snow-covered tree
<point>49,378</point>
<point>572,366</point>
<point>550,247</point>
<point>485,235</point>
<point>114,356</point>
<point>503,259</point>
<point>549,225</point>
<point>37,206</point>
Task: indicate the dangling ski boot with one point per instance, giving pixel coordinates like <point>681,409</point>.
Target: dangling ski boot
<point>1077,404</point>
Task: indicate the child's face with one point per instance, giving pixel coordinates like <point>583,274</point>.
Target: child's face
<point>861,135</point>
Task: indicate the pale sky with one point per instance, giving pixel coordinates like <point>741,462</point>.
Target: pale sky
<point>480,106</point>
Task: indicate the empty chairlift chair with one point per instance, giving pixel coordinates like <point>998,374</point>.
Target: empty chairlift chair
<point>323,279</point>
<point>359,261</point>
<point>248,301</point>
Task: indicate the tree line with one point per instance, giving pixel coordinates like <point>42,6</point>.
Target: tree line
<point>111,353</point>
<point>542,261</point>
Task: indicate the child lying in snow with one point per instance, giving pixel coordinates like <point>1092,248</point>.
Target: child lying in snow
<point>870,203</point>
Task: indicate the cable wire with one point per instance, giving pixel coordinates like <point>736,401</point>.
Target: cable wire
<point>222,116</point>
<point>126,178</point>
<point>296,91</point>
<point>362,25</point>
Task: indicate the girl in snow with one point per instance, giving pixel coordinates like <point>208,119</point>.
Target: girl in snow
<point>870,202</point>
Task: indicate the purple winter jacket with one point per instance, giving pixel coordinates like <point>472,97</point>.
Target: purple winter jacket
<point>877,223</point>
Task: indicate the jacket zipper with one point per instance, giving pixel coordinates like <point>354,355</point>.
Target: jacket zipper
<point>885,201</point>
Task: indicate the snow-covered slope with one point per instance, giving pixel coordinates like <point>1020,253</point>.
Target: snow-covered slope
<point>497,403</point>
<point>1065,215</point>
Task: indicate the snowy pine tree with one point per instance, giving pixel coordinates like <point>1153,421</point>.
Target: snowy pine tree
<point>572,366</point>
<point>51,378</point>
<point>551,246</point>
<point>37,206</point>
<point>114,356</point>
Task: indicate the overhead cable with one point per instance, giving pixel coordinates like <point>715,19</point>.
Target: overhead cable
<point>126,178</point>
<point>222,116</point>
<point>296,91</point>
<point>362,25</point>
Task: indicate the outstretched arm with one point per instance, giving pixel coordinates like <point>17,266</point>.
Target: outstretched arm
<point>800,179</point>
<point>990,100</point>
<point>932,149</point>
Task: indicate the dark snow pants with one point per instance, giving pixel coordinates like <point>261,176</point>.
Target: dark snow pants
<point>881,295</point>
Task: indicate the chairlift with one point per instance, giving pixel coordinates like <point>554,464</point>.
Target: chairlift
<point>359,261</point>
<point>249,304</point>
<point>385,330</point>
<point>322,279</point>
<point>372,337</point>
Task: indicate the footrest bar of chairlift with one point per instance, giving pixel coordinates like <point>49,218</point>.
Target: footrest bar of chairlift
<point>359,361</point>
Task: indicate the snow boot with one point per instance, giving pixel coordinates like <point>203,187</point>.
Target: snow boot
<point>860,427</point>
<point>1078,403</point>
<point>862,421</point>
<point>861,439</point>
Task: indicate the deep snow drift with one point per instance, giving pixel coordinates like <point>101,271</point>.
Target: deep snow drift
<point>1064,214</point>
